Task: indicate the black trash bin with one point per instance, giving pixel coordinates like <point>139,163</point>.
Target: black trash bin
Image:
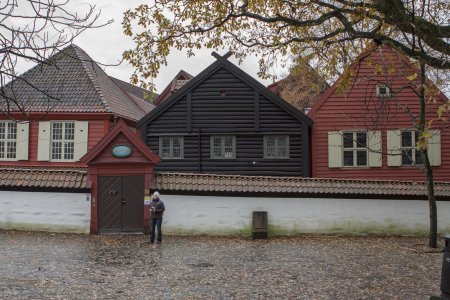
<point>445,275</point>
<point>259,225</point>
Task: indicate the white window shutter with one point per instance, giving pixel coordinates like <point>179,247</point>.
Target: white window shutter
<point>374,139</point>
<point>434,147</point>
<point>44,141</point>
<point>22,141</point>
<point>334,149</point>
<point>394,150</point>
<point>81,139</point>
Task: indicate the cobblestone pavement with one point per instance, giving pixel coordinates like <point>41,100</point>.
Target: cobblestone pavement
<point>62,266</point>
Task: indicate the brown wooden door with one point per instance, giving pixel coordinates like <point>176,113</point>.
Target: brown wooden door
<point>133,204</point>
<point>120,204</point>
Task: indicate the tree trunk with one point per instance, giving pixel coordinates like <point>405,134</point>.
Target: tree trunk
<point>432,238</point>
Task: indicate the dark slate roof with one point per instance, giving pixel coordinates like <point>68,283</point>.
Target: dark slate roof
<point>134,90</point>
<point>71,81</point>
<point>315,187</point>
<point>43,177</point>
<point>222,62</point>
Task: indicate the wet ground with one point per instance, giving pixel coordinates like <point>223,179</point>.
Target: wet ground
<point>61,266</point>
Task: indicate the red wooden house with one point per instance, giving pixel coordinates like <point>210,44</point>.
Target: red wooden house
<point>53,115</point>
<point>365,125</point>
<point>62,111</point>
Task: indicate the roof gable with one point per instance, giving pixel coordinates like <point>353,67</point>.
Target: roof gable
<point>377,53</point>
<point>120,129</point>
<point>222,62</point>
<point>301,88</point>
<point>175,84</point>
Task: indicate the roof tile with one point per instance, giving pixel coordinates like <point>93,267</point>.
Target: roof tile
<point>194,182</point>
<point>43,177</point>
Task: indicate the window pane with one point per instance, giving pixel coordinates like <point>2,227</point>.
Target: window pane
<point>176,147</point>
<point>282,141</point>
<point>348,140</point>
<point>406,139</point>
<point>282,152</point>
<point>176,143</point>
<point>68,150</point>
<point>165,151</point>
<point>56,150</point>
<point>407,157</point>
<point>270,152</point>
<point>361,158</point>
<point>270,147</point>
<point>228,142</point>
<point>228,149</point>
<point>69,131</point>
<point>176,153</point>
<point>11,149</point>
<point>12,130</point>
<point>282,147</point>
<point>228,153</point>
<point>270,141</point>
<point>382,90</point>
<point>348,158</point>
<point>2,130</point>
<point>361,139</point>
<point>2,149</point>
<point>418,158</point>
<point>416,137</point>
<point>57,131</point>
<point>217,147</point>
<point>8,136</point>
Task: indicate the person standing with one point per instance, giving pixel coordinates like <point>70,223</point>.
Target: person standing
<point>156,214</point>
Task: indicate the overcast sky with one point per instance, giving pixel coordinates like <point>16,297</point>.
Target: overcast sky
<point>107,44</point>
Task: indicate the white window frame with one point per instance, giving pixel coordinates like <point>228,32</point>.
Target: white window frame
<point>65,142</point>
<point>171,148</point>
<point>6,141</point>
<point>277,147</point>
<point>384,86</point>
<point>222,147</point>
<point>355,149</point>
<point>44,140</point>
<point>394,147</point>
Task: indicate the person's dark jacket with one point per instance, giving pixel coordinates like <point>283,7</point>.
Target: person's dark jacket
<point>159,209</point>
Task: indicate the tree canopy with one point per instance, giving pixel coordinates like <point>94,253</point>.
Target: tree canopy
<point>329,33</point>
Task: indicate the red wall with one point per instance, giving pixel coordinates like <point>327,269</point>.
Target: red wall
<point>355,109</point>
<point>99,125</point>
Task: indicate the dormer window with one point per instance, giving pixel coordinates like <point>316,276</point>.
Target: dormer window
<point>383,90</point>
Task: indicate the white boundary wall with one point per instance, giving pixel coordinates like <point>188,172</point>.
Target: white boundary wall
<point>64,212</point>
<point>233,215</point>
<point>186,214</point>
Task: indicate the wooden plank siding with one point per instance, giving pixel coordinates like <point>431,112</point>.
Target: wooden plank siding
<point>97,130</point>
<point>357,109</point>
<point>225,102</point>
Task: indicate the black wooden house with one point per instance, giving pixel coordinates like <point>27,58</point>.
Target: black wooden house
<point>224,121</point>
